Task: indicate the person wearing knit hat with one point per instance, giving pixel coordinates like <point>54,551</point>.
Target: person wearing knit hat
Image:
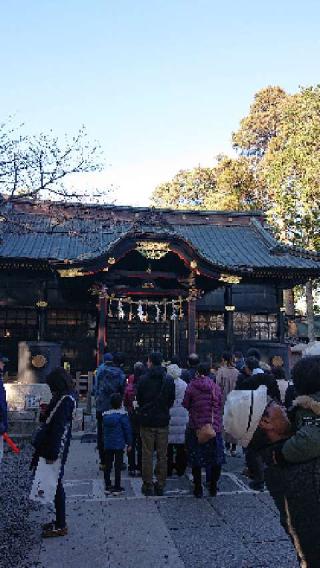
<point>110,379</point>
<point>177,457</point>
<point>290,448</point>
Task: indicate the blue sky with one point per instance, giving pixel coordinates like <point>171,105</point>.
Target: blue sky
<point>160,83</point>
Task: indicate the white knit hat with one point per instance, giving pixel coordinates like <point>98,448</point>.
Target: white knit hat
<point>242,413</point>
<point>174,371</point>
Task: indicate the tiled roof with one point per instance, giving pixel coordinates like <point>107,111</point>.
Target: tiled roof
<point>240,247</point>
<point>236,246</point>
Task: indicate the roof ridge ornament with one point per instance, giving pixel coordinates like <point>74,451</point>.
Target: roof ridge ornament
<point>153,250</point>
<point>230,279</point>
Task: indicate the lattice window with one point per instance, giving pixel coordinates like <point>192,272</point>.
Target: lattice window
<point>207,321</point>
<point>18,323</point>
<point>247,326</point>
<point>255,326</point>
<point>138,339</point>
<point>66,324</point>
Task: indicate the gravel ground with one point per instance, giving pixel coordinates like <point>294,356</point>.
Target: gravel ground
<point>17,535</point>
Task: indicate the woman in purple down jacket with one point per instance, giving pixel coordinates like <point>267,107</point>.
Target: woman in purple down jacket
<point>203,400</point>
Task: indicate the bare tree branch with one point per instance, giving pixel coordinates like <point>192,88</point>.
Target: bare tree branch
<point>38,167</point>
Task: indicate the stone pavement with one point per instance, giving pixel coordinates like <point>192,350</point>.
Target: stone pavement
<point>237,529</point>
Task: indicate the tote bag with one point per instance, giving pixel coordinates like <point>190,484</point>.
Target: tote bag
<point>45,482</point>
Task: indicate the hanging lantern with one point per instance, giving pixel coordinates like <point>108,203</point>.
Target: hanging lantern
<point>164,316</point>
<point>120,310</point>
<point>180,308</point>
<point>130,317</point>
<point>158,313</point>
<point>174,314</point>
<point>140,312</point>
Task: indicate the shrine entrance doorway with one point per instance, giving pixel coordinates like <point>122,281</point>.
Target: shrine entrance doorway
<point>137,339</point>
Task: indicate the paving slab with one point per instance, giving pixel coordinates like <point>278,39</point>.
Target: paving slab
<point>237,529</point>
<point>86,544</point>
<point>140,538</point>
<point>278,553</point>
<point>83,461</point>
<point>251,523</point>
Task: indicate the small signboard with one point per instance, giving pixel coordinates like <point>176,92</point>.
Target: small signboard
<point>32,402</point>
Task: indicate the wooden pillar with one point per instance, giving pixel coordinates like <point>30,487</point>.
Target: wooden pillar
<point>101,339</point>
<point>192,325</point>
<point>288,302</point>
<point>78,375</point>
<point>89,393</point>
<point>41,320</point>
<point>280,316</point>
<point>39,326</point>
<point>175,332</point>
<point>228,316</point>
<point>310,311</point>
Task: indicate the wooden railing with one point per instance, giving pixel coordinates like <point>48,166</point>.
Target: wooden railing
<point>84,384</point>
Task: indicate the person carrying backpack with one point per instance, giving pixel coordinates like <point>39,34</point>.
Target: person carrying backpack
<point>110,380</point>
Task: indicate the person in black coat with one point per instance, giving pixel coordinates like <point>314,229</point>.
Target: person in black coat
<point>252,378</point>
<point>55,441</point>
<point>155,396</point>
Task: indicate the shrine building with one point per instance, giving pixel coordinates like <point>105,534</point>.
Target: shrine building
<point>101,277</point>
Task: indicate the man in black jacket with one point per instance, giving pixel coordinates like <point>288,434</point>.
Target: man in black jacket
<point>155,396</point>
<point>188,374</point>
<point>252,378</point>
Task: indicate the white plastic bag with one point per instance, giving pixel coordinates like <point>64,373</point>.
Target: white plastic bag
<point>45,481</point>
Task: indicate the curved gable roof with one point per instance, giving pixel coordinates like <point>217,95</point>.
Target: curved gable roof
<point>237,242</point>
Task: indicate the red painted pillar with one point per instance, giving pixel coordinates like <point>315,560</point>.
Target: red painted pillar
<point>101,339</point>
<point>192,325</point>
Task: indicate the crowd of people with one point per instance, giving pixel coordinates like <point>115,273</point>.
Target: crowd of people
<point>195,416</point>
<point>167,406</point>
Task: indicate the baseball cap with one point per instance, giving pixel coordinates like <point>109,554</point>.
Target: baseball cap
<point>108,358</point>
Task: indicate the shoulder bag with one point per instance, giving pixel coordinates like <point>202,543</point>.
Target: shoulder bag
<point>39,437</point>
<point>206,432</point>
